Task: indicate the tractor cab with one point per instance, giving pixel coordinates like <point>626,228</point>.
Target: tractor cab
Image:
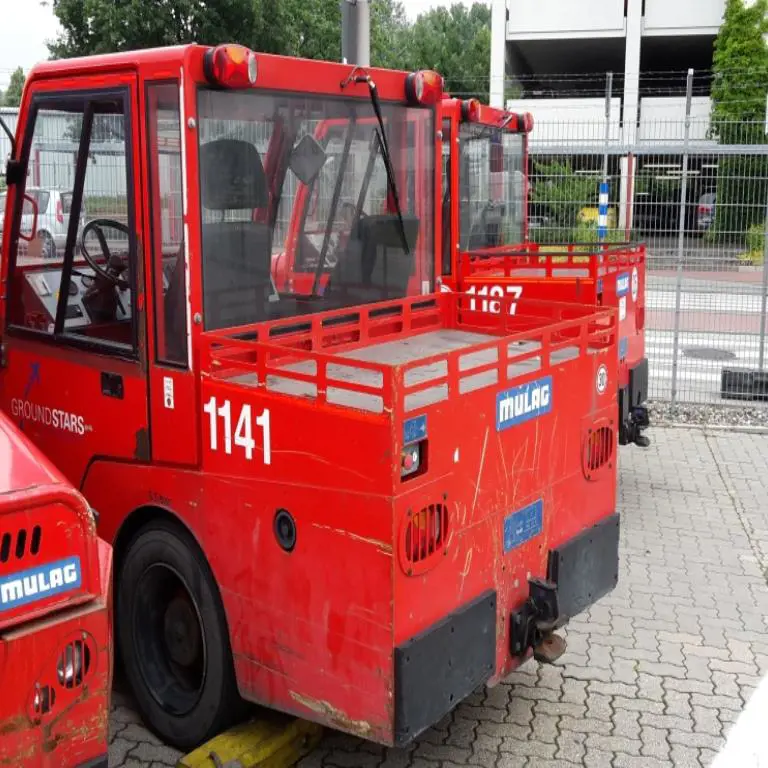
<point>330,488</point>
<point>488,249</point>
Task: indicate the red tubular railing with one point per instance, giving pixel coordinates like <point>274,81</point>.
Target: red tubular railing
<point>507,260</point>
<point>273,346</point>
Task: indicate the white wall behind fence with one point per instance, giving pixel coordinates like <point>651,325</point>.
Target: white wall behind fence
<point>687,17</point>
<point>533,19</point>
<point>569,120</point>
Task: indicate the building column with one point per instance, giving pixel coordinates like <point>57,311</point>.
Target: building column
<point>631,104</point>
<point>498,52</point>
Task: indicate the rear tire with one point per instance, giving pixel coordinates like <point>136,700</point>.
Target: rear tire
<point>48,245</point>
<point>173,637</point>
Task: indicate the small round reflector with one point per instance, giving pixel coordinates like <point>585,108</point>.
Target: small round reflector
<point>424,87</point>
<point>231,66</point>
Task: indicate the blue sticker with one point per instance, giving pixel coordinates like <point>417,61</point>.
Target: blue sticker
<point>38,583</point>
<point>528,401</point>
<point>623,344</point>
<point>415,429</point>
<point>523,525</point>
<point>622,284</point>
<point>599,284</point>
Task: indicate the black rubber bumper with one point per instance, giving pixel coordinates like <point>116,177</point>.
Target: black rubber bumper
<point>638,384</point>
<point>579,573</point>
<point>440,667</point>
<point>633,416</point>
<point>586,568</point>
<point>96,762</point>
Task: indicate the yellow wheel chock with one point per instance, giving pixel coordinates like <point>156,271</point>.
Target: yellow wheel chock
<point>270,741</point>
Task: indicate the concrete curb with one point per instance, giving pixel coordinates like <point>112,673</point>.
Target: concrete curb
<point>710,428</point>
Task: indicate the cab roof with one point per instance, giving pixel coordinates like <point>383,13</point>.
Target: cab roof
<point>173,56</point>
<point>110,61</point>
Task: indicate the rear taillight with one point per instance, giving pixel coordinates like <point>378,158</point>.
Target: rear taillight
<point>413,456</point>
<point>470,110</point>
<point>424,87</point>
<point>410,460</point>
<point>59,212</point>
<point>230,66</point>
<point>527,122</point>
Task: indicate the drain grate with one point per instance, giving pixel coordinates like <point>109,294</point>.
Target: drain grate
<point>709,353</point>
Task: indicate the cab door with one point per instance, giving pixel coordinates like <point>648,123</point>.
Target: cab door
<point>172,383</point>
<point>74,355</point>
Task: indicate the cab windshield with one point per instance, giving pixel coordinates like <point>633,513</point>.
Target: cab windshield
<point>299,214</point>
<point>491,187</point>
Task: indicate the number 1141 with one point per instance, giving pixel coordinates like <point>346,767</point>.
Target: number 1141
<point>220,417</point>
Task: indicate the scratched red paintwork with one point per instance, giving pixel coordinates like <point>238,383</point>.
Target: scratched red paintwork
<point>314,632</point>
<point>33,636</point>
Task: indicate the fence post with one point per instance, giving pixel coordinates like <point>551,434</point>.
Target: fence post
<point>764,295</point>
<point>602,211</point>
<point>681,232</point>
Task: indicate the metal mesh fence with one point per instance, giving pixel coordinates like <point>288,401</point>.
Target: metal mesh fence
<point>694,188</point>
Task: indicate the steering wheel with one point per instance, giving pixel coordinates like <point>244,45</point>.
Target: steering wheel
<point>116,266</point>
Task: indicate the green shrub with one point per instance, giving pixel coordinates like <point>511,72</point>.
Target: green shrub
<point>755,246</point>
<point>756,237</point>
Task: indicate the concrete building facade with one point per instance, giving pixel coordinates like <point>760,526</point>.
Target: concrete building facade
<point>561,50</point>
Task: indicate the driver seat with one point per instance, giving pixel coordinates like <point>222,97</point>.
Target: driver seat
<point>237,251</point>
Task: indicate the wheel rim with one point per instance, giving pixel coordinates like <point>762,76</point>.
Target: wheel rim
<point>169,639</point>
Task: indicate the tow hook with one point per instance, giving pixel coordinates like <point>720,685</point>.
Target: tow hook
<point>550,649</point>
<point>534,624</point>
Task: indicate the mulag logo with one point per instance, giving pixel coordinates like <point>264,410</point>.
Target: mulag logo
<point>622,285</point>
<point>37,583</point>
<point>528,401</point>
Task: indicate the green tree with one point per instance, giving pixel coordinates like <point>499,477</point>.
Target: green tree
<point>12,96</point>
<point>103,26</point>
<point>559,193</point>
<point>310,29</point>
<point>306,28</point>
<point>739,89</point>
<point>456,42</point>
<point>389,34</point>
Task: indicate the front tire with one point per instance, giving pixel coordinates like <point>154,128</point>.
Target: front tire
<point>174,638</point>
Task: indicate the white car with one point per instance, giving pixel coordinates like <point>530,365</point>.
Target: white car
<point>53,207</point>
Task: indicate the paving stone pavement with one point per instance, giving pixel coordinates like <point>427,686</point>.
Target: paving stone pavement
<point>654,674</point>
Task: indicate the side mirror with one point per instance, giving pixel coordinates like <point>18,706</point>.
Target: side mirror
<point>29,211</point>
<point>307,158</point>
<point>14,172</point>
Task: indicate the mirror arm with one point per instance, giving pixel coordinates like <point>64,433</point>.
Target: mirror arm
<point>14,170</point>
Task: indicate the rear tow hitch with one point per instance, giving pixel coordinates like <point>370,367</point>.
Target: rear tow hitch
<point>550,649</point>
<point>534,624</point>
<point>638,422</point>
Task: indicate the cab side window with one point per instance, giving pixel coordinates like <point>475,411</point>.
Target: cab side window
<point>446,201</point>
<point>167,225</point>
<point>74,281</point>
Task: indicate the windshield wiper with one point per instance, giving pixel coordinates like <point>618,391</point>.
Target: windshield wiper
<point>384,145</point>
<point>334,205</point>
